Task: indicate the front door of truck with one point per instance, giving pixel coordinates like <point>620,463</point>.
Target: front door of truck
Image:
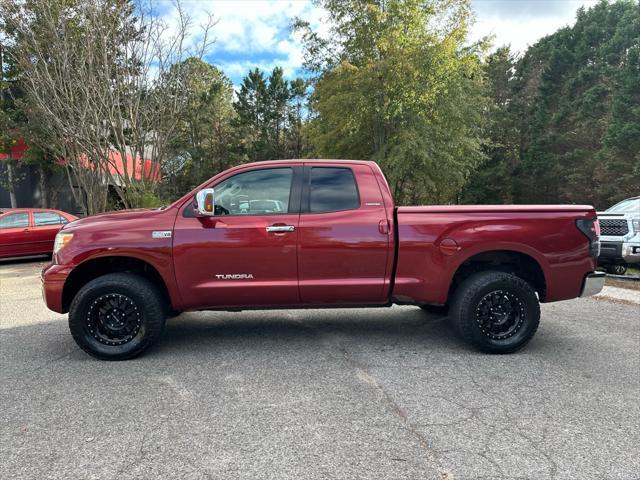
<point>344,243</point>
<point>245,256</point>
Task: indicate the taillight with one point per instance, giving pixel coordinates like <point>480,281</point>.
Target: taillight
<point>591,229</point>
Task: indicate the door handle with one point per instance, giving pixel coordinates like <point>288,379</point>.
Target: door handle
<point>281,228</point>
<point>383,227</point>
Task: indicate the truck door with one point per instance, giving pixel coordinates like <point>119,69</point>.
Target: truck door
<point>245,256</point>
<point>344,240</point>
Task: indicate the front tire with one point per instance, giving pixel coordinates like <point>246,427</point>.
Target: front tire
<point>496,312</point>
<point>617,269</point>
<point>117,316</point>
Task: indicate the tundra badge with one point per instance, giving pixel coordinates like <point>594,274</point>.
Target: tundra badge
<point>234,276</point>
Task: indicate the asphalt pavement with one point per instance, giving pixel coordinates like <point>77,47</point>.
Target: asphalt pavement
<point>369,393</point>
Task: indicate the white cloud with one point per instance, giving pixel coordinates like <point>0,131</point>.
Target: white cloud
<point>522,23</point>
<point>258,29</point>
<point>256,33</point>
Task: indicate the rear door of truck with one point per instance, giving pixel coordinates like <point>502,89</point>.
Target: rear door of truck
<point>344,243</point>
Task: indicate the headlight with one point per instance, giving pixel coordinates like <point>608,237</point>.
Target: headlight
<point>636,225</point>
<point>61,240</point>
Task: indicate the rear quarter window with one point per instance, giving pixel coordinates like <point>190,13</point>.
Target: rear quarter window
<point>332,190</point>
<point>47,218</point>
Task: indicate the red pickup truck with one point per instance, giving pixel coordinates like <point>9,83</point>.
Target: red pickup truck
<point>316,234</point>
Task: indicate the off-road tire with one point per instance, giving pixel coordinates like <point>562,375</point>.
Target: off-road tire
<point>144,302</point>
<point>469,309</point>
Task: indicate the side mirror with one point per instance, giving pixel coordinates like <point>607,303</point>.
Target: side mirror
<point>204,204</point>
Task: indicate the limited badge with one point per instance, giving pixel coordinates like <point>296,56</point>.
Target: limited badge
<point>161,234</point>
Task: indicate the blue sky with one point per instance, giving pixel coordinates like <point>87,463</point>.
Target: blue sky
<point>256,33</point>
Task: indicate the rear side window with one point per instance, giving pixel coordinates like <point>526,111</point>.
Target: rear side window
<point>46,218</point>
<point>332,190</point>
<point>15,220</point>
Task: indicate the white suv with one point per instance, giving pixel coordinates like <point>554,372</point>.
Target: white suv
<point>620,235</point>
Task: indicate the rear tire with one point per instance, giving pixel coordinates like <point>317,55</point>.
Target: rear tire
<point>117,316</point>
<point>495,312</point>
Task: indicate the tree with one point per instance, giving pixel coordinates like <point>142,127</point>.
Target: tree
<point>492,183</point>
<point>396,82</point>
<point>203,137</point>
<point>270,116</point>
<point>101,75</point>
<point>576,93</point>
<point>296,117</point>
<point>10,119</point>
<point>251,107</point>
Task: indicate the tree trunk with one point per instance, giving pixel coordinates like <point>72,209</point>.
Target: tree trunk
<point>44,189</point>
<point>12,187</point>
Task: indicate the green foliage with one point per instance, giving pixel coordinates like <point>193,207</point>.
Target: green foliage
<point>270,115</point>
<point>492,182</point>
<point>201,143</point>
<point>577,94</point>
<point>397,84</point>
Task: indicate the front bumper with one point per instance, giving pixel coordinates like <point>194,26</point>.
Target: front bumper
<point>631,252</point>
<point>53,278</point>
<point>610,251</point>
<point>593,284</point>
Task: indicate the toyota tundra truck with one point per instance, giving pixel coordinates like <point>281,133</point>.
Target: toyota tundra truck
<point>317,234</point>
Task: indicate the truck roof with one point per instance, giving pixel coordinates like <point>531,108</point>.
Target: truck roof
<point>308,160</point>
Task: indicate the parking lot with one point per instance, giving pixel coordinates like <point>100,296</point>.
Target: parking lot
<point>371,393</point>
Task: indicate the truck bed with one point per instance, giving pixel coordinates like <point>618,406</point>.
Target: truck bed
<point>494,208</point>
<point>434,242</point>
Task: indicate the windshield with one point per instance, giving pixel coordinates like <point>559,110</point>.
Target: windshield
<point>626,206</point>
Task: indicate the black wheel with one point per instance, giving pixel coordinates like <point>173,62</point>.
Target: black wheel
<point>495,312</point>
<point>437,309</point>
<point>116,316</point>
<point>619,269</point>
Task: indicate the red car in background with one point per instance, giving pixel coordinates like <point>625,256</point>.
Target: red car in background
<point>30,231</point>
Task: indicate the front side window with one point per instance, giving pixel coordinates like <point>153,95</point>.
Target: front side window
<point>15,220</point>
<point>332,190</point>
<point>46,218</point>
<point>258,192</point>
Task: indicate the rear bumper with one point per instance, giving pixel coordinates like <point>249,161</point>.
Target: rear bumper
<point>593,284</point>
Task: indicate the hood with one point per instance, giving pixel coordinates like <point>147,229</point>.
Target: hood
<point>109,218</point>
<point>617,215</point>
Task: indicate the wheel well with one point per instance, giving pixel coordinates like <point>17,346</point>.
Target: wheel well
<point>91,269</point>
<point>508,261</point>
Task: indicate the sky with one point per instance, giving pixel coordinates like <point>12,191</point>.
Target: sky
<point>256,33</point>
